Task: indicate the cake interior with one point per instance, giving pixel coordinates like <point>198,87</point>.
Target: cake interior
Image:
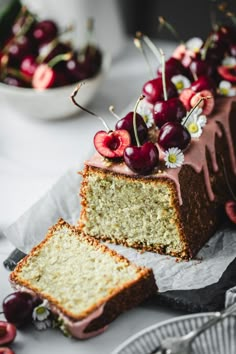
<point>132,211</point>
<point>75,272</point>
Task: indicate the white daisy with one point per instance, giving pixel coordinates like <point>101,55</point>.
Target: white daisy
<point>194,44</point>
<point>196,121</point>
<point>174,157</point>
<point>145,111</point>
<point>226,89</point>
<point>41,312</point>
<point>181,82</point>
<point>229,61</point>
<point>42,325</point>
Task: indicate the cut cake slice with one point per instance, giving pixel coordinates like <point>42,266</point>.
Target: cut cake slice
<point>86,284</point>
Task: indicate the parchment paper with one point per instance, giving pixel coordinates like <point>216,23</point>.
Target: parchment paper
<point>62,200</point>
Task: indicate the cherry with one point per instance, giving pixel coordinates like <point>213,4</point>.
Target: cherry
<point>204,83</point>
<point>199,67</point>
<point>5,350</point>
<point>28,66</point>
<point>45,31</point>
<point>173,134</point>
<point>49,51</point>
<point>18,308</point>
<point>230,209</point>
<point>90,61</point>
<point>19,49</point>
<point>142,159</point>
<point>153,90</point>
<point>227,73</point>
<point>7,332</point>
<point>173,67</point>
<point>169,111</point>
<point>111,144</point>
<point>127,124</point>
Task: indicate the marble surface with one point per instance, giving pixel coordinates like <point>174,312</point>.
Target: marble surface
<point>33,155</point>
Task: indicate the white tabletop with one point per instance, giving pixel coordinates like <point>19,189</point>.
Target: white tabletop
<point>33,155</point>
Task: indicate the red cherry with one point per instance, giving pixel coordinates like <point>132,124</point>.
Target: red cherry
<point>200,67</point>
<point>28,66</point>
<point>171,110</point>
<point>19,49</point>
<point>7,332</point>
<point>111,144</point>
<point>173,66</point>
<point>230,209</point>
<point>45,31</point>
<point>227,73</point>
<point>173,134</point>
<point>207,105</point>
<point>5,350</point>
<point>185,97</point>
<point>153,90</point>
<point>204,83</point>
<point>142,159</point>
<point>44,77</point>
<point>127,124</point>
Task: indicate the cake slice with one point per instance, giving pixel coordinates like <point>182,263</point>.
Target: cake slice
<point>86,284</point>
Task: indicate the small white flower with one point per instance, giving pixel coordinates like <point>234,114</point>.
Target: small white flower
<point>195,123</point>
<point>174,157</point>
<point>41,312</point>
<point>146,113</point>
<point>229,61</point>
<point>226,89</point>
<point>42,325</point>
<point>181,82</point>
<point>194,44</point>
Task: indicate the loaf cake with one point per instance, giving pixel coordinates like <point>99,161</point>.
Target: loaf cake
<point>87,285</point>
<point>172,211</point>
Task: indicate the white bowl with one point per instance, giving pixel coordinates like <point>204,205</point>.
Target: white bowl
<point>54,103</point>
<point>219,339</point>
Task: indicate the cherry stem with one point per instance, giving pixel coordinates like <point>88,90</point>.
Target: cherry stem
<point>171,29</point>
<point>223,8</point>
<point>47,50</point>
<point>195,106</point>
<point>73,95</point>
<point>141,97</point>
<point>149,44</point>
<point>111,109</point>
<point>163,72</point>
<point>60,57</point>
<point>227,180</point>
<point>206,47</point>
<point>138,44</point>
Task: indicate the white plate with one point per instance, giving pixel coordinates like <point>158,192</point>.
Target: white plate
<point>220,339</point>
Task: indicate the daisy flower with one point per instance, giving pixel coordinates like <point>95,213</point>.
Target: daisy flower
<point>41,315</point>
<point>229,61</point>
<point>194,44</point>
<point>226,89</point>
<point>146,113</point>
<point>181,82</point>
<point>174,157</point>
<point>195,123</point>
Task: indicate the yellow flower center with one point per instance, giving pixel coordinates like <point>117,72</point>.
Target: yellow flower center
<point>193,128</point>
<point>40,310</point>
<point>179,85</point>
<point>224,91</point>
<point>172,158</point>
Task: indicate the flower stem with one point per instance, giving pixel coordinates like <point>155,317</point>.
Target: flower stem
<point>141,97</point>
<point>194,107</point>
<point>73,95</point>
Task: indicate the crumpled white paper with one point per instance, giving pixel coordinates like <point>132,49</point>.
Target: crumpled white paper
<point>62,200</point>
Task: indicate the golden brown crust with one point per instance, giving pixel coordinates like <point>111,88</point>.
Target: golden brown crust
<point>144,274</point>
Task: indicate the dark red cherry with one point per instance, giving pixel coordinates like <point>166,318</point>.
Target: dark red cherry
<point>173,134</point>
<point>19,49</point>
<point>111,144</point>
<point>90,60</point>
<point>28,65</point>
<point>142,159</point>
<point>204,83</point>
<point>171,110</point>
<point>45,31</point>
<point>232,50</point>
<point>230,209</point>
<point>7,333</point>
<point>200,67</point>
<point>18,308</point>
<point>44,77</point>
<point>153,90</point>
<point>227,73</point>
<point>173,67</point>
<point>127,124</point>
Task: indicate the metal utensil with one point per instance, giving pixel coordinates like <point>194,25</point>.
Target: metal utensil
<point>183,344</point>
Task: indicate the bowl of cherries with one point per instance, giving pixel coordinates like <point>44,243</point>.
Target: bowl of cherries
<point>39,66</point>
